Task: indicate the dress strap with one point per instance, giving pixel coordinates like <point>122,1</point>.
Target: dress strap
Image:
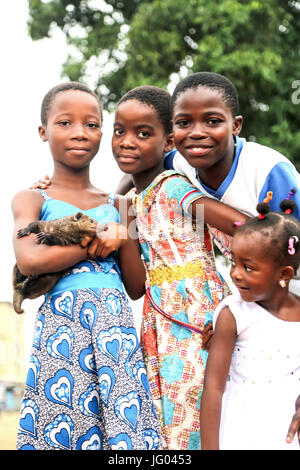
<point>44,194</point>
<point>111,199</point>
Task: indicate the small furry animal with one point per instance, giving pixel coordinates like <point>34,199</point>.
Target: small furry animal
<point>65,231</point>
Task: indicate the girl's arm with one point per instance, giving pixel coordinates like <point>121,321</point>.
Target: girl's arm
<point>217,214</point>
<point>132,267</point>
<point>123,237</point>
<point>31,257</point>
<point>294,427</point>
<point>217,369</point>
<point>125,184</point>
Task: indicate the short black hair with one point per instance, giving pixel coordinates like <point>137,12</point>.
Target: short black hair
<point>211,80</point>
<point>277,230</point>
<point>48,98</point>
<point>157,98</point>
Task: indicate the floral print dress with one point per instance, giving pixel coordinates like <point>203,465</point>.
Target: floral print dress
<point>183,289</point>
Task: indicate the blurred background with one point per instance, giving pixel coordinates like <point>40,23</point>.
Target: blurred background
<point>113,46</point>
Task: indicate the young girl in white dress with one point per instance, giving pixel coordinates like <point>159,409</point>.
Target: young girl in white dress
<point>253,371</point>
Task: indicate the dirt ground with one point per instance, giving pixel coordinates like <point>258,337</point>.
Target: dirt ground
<point>8,430</point>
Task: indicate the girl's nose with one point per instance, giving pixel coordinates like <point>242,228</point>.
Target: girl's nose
<point>79,131</point>
<point>198,131</point>
<point>126,142</point>
<point>235,273</point>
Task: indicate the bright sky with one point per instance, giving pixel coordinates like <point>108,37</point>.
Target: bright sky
<point>28,70</point>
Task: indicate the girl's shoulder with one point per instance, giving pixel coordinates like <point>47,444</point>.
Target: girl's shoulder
<point>243,312</point>
<point>27,198</point>
<point>28,194</point>
<point>170,175</point>
<point>174,183</point>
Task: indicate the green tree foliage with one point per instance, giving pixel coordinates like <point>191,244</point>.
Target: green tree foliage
<point>127,43</point>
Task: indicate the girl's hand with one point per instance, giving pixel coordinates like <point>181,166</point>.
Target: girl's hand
<point>106,241</point>
<point>207,336</point>
<point>42,183</point>
<point>295,424</point>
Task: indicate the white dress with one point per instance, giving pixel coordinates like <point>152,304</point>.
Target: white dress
<point>263,382</point>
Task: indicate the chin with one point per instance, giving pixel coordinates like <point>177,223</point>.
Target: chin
<point>247,296</point>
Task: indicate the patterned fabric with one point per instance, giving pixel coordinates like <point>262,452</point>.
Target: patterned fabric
<point>86,387</point>
<point>184,283</point>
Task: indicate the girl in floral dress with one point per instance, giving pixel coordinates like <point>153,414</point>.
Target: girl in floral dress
<point>183,286</point>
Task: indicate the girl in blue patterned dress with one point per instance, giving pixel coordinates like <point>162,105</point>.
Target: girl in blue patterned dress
<point>86,386</point>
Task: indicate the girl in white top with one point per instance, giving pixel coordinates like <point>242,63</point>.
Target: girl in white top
<point>253,371</point>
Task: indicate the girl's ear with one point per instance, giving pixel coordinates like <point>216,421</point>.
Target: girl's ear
<point>237,125</point>
<point>43,133</point>
<point>287,272</point>
<point>169,144</point>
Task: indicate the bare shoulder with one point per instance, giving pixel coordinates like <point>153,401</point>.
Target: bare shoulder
<point>27,200</point>
<point>226,321</point>
<point>28,194</point>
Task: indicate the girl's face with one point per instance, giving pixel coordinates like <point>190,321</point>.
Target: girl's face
<point>139,140</point>
<point>253,271</point>
<point>203,128</point>
<point>73,128</point>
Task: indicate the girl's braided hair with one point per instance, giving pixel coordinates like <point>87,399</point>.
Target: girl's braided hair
<point>280,231</point>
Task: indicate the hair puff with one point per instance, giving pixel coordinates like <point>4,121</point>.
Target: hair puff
<point>287,206</point>
<point>263,208</point>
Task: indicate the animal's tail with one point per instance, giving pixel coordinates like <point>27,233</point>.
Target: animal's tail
<point>17,302</point>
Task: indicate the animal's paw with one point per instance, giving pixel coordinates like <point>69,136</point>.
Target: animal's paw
<point>49,239</point>
<point>23,232</point>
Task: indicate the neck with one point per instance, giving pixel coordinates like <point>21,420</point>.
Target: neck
<point>142,180</point>
<point>276,302</point>
<point>70,178</point>
<point>214,175</point>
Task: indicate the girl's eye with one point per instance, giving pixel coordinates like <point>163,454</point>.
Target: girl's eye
<point>93,125</point>
<point>182,123</point>
<point>64,123</point>
<point>118,132</point>
<point>143,134</point>
<point>213,122</point>
<point>248,268</point>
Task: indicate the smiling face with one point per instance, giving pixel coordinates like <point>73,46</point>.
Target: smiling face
<point>139,141</point>
<point>203,128</point>
<point>253,271</point>
<point>73,128</point>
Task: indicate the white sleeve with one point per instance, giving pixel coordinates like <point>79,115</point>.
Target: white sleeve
<point>240,310</point>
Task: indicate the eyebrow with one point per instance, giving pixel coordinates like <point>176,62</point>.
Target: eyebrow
<point>67,113</point>
<point>206,113</point>
<point>137,126</point>
<point>249,261</point>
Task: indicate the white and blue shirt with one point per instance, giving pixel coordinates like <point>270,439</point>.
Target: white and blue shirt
<point>256,169</point>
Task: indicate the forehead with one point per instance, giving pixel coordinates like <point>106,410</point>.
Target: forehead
<point>72,101</point>
<point>201,97</point>
<point>133,110</point>
<point>250,245</point>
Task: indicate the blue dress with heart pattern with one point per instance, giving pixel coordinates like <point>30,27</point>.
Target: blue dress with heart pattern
<point>86,386</point>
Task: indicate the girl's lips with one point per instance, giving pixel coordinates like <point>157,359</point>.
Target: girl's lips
<point>78,151</point>
<point>197,150</point>
<point>127,158</point>
<point>242,289</point>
